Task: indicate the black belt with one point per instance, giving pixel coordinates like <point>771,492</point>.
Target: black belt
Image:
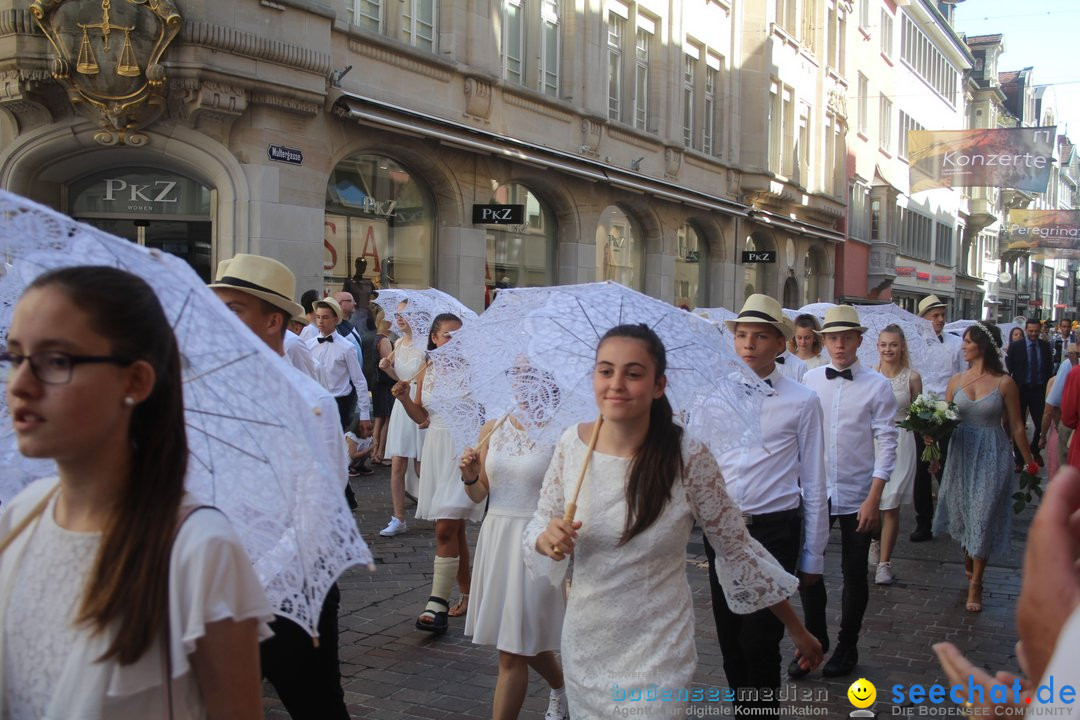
<point>773,517</point>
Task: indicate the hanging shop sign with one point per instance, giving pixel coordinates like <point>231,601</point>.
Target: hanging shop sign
<point>758,256</point>
<point>492,214</point>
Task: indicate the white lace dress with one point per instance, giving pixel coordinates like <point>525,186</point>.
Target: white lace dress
<point>404,438</point>
<point>897,491</point>
<point>508,608</point>
<point>629,621</point>
<point>440,494</point>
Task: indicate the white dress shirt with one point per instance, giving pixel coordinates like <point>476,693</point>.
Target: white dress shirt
<point>792,367</point>
<point>936,379</point>
<point>788,469</point>
<point>857,413</point>
<point>816,361</point>
<point>298,355</point>
<point>310,331</point>
<point>325,428</point>
<point>339,364</point>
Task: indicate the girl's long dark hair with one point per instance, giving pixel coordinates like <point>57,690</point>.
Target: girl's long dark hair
<point>988,345</point>
<point>128,583</point>
<point>658,463</point>
<point>436,324</point>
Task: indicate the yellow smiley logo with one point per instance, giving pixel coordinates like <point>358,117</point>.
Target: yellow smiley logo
<point>862,693</point>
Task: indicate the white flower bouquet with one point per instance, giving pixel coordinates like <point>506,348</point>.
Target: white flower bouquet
<point>929,416</point>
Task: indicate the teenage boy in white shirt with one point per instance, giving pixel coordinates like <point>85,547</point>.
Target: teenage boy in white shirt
<point>860,453</point>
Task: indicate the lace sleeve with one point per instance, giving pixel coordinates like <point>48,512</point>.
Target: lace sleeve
<point>752,579</point>
<point>552,505</point>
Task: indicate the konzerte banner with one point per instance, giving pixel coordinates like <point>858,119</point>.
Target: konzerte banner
<point>1018,158</point>
<point>1046,233</point>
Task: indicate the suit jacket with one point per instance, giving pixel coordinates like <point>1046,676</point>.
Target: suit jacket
<point>1017,359</point>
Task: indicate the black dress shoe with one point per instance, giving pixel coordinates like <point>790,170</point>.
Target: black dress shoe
<point>921,535</point>
<point>842,662</point>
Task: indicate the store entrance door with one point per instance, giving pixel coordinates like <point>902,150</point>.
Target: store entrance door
<point>151,207</point>
<point>189,240</point>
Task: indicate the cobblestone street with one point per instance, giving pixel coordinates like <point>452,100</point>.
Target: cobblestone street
<point>393,671</point>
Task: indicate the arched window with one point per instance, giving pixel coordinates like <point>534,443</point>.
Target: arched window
<point>691,262</point>
<point>754,273</point>
<point>378,210</point>
<point>619,249</point>
<point>812,275</point>
<point>520,255</point>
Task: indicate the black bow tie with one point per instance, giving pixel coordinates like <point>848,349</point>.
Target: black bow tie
<point>768,382</point>
<point>831,374</point>
<point>780,359</point>
<point>328,338</point>
<point>941,338</point>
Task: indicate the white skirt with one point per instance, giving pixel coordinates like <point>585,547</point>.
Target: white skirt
<point>404,438</point>
<point>441,496</point>
<point>508,608</point>
<point>898,490</point>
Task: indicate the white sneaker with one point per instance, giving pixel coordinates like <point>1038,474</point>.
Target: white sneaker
<point>394,527</point>
<point>875,553</point>
<point>560,714</point>
<point>884,574</point>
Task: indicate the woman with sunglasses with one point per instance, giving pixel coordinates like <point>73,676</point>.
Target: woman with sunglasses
<point>119,597</point>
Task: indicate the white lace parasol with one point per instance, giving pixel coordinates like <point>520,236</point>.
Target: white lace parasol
<point>245,418</point>
<point>421,308</point>
<point>534,349</point>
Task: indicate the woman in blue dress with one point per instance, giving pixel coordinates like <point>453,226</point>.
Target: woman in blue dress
<point>975,498</point>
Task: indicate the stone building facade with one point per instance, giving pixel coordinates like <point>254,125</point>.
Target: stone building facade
<point>663,145</point>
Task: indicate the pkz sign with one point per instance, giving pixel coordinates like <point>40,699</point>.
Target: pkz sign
<point>498,214</point>
<point>758,256</point>
<point>292,156</point>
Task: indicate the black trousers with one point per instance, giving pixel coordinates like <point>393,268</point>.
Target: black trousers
<point>922,492</point>
<point>854,550</point>
<point>1033,399</point>
<point>346,406</point>
<point>751,643</point>
<point>307,678</point>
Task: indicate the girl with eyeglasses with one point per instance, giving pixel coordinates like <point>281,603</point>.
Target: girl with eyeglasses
<point>119,598</point>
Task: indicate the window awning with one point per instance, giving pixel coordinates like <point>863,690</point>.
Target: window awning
<point>411,122</point>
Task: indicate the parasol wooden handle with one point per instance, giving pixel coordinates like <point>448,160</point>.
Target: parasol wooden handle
<point>423,367</point>
<point>571,508</point>
<point>487,436</point>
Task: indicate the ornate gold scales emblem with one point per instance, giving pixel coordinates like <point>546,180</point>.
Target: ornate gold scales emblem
<point>108,58</point>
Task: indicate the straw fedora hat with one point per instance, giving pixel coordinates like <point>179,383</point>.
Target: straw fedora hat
<point>760,308</point>
<point>841,319</point>
<point>929,303</point>
<point>261,277</point>
<point>331,303</point>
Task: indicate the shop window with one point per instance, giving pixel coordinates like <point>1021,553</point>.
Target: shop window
<point>520,255</point>
<point>754,274</point>
<point>619,249</point>
<point>691,264</point>
<point>378,210</point>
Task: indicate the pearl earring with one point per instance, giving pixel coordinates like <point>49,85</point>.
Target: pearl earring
<point>129,401</point>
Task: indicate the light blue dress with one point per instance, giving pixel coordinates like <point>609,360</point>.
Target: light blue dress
<point>975,498</point>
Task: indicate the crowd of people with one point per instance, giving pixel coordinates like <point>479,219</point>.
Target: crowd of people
<point>119,553</point>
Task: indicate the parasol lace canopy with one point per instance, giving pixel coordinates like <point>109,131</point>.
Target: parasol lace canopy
<point>421,308</point>
<point>247,422</point>
<point>532,352</point>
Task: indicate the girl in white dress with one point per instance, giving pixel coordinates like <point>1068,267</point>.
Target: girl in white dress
<point>404,438</point>
<point>441,496</point>
<point>895,365</point>
<point>520,615</point>
<point>628,634</point>
<point>103,565</point>
<point>805,344</point>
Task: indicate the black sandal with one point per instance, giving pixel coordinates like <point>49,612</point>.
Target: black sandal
<point>439,621</point>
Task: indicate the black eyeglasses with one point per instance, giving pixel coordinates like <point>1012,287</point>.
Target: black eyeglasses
<point>53,367</point>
